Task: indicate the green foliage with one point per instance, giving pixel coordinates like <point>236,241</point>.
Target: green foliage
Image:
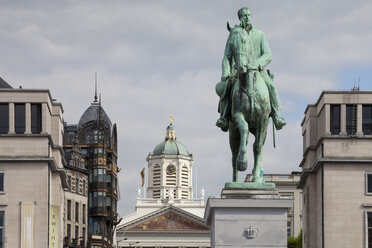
<point>295,242</point>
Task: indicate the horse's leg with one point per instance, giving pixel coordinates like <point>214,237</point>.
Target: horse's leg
<point>261,132</point>
<point>241,160</point>
<point>234,139</point>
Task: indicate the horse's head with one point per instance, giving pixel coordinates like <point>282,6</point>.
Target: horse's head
<point>241,47</point>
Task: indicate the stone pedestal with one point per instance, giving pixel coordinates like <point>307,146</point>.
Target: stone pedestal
<point>248,218</point>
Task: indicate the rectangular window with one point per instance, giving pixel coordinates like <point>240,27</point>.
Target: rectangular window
<point>351,119</point>
<point>76,235</point>
<point>19,118</point>
<point>2,188</point>
<point>367,119</point>
<point>69,182</point>
<point>83,235</point>
<point>68,232</point>
<point>77,185</point>
<point>84,211</point>
<point>84,185</point>
<point>369,226</point>
<point>335,119</point>
<point>69,209</point>
<point>369,183</point>
<point>4,118</point>
<point>76,212</point>
<point>2,229</point>
<point>35,118</point>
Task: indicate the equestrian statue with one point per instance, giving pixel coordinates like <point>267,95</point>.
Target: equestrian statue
<point>248,97</point>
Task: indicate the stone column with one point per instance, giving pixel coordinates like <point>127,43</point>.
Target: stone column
<point>359,130</point>
<point>327,121</point>
<point>11,118</point>
<point>28,118</point>
<point>343,119</point>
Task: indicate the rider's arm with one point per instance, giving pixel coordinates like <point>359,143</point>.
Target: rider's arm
<point>265,57</point>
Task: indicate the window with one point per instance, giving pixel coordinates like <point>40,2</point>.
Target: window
<point>351,119</point>
<point>369,183</point>
<point>99,199</point>
<point>289,229</point>
<point>367,119</point>
<point>20,118</point>
<point>76,235</point>
<point>76,212</point>
<point>35,118</point>
<point>369,226</point>
<point>77,185</point>
<point>84,185</point>
<point>69,209</point>
<point>1,229</point>
<point>83,213</point>
<point>2,188</point>
<point>4,118</point>
<point>68,231</point>
<point>69,182</point>
<point>335,119</point>
<point>83,235</point>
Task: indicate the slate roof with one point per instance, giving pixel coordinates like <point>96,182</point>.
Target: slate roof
<point>92,113</point>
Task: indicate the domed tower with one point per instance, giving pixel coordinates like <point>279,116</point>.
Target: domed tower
<point>170,168</point>
<point>98,140</point>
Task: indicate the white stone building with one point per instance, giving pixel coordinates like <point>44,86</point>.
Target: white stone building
<point>170,216</point>
<point>32,175</point>
<point>337,170</point>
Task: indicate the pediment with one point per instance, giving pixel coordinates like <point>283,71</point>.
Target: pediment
<point>169,220</point>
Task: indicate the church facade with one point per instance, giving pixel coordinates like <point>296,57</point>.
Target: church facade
<point>169,216</point>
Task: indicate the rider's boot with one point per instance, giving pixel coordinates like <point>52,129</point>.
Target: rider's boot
<point>279,121</point>
<point>223,124</point>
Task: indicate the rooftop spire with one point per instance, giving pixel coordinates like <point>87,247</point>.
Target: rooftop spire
<point>171,131</point>
<point>95,91</point>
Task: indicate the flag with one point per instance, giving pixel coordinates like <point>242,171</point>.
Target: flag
<point>143,176</point>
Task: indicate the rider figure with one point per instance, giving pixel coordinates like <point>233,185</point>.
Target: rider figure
<point>263,57</point>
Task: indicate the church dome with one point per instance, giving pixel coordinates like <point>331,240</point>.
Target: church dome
<point>92,114</point>
<point>170,146</point>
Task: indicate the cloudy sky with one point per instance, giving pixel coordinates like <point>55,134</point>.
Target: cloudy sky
<point>157,59</point>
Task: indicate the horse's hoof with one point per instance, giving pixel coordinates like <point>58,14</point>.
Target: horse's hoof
<point>242,166</point>
<point>257,180</point>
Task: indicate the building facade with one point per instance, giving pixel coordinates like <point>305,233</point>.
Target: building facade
<point>286,184</point>
<point>337,170</point>
<point>32,175</point>
<point>97,140</point>
<point>169,216</point>
<point>76,195</point>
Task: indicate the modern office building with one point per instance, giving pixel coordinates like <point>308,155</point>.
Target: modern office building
<point>286,184</point>
<point>336,176</point>
<point>169,216</point>
<point>97,140</point>
<point>32,175</point>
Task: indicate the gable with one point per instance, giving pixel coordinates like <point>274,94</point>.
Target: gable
<point>169,221</point>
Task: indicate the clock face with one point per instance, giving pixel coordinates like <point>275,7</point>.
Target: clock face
<point>171,169</point>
